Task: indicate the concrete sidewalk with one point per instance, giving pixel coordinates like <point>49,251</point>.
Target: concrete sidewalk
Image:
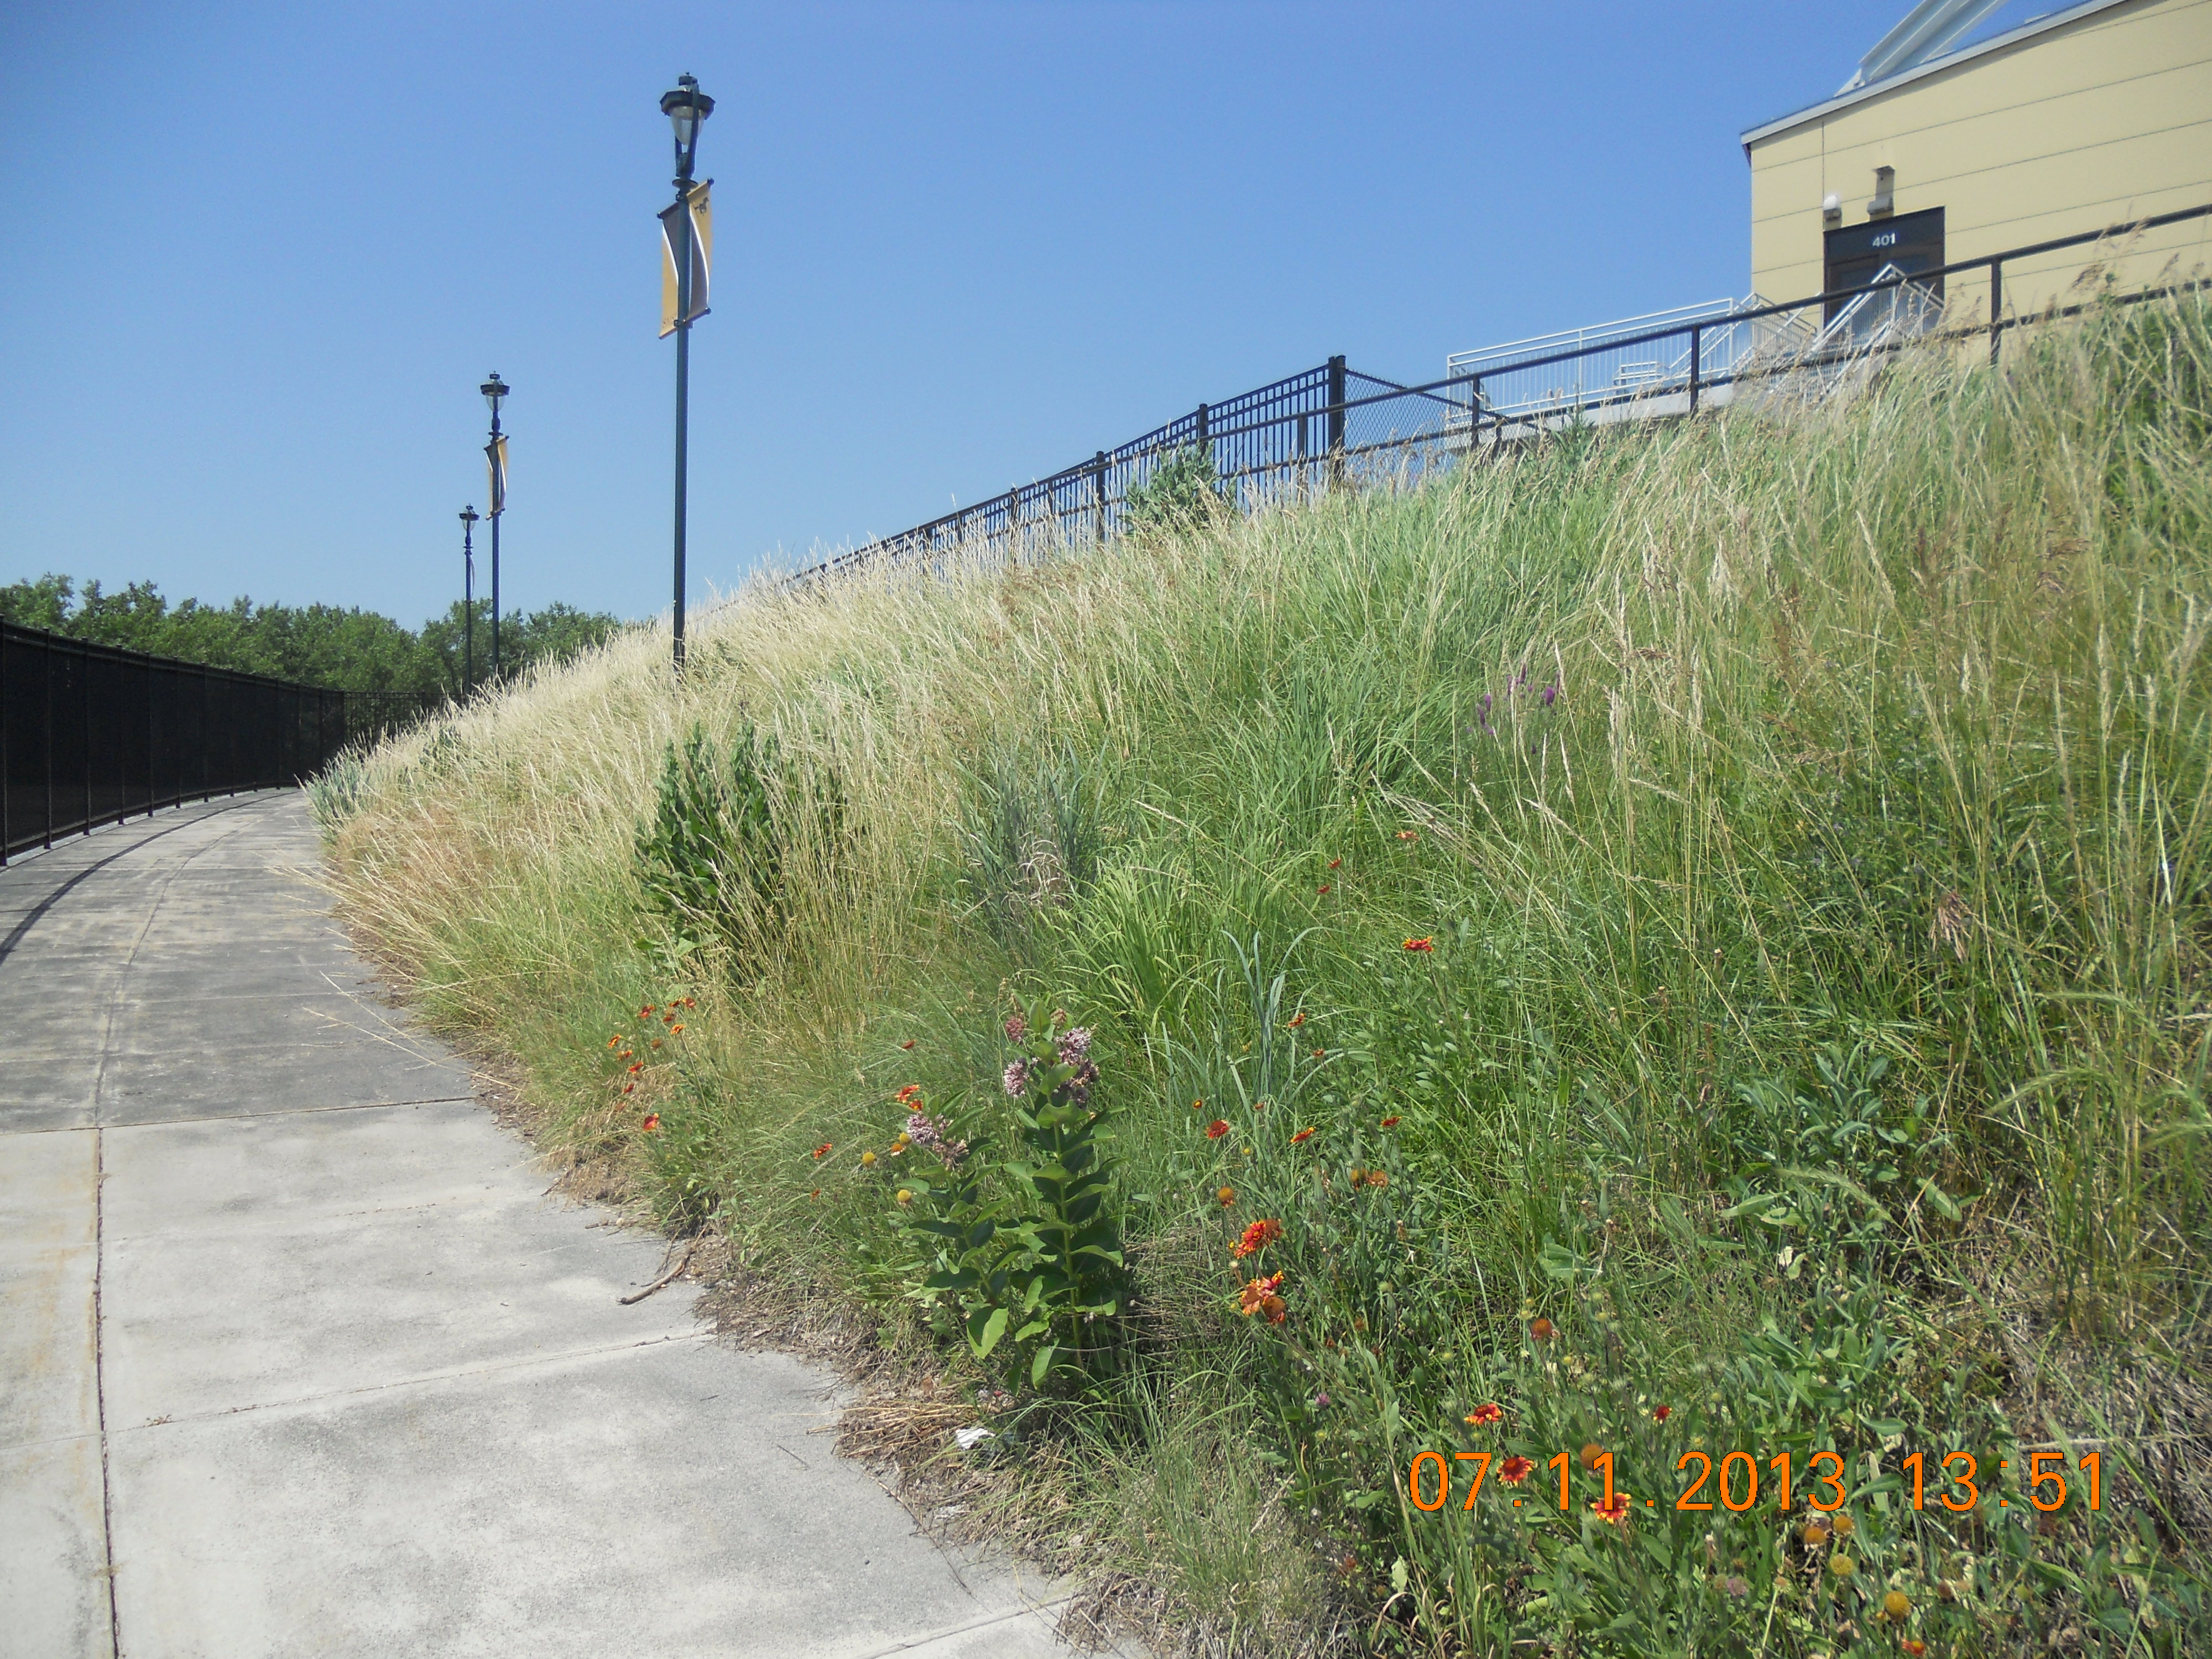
<point>296,1358</point>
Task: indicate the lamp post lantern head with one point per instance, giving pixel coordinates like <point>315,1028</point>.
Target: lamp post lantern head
<point>468,515</point>
<point>495,392</point>
<point>686,108</point>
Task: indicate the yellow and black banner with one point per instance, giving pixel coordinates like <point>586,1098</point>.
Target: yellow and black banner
<point>495,466</point>
<point>683,297</point>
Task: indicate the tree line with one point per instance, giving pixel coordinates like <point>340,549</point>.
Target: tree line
<point>351,649</point>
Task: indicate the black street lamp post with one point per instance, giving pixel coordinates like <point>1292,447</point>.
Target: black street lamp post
<point>495,392</point>
<point>685,108</point>
<point>468,602</point>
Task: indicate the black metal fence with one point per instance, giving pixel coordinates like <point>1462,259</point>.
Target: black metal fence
<point>1334,425</point>
<point>372,716</point>
<point>91,735</point>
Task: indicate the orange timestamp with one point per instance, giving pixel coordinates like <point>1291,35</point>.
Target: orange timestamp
<point>1735,1482</point>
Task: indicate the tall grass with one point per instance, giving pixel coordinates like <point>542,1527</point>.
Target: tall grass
<point>1802,812</point>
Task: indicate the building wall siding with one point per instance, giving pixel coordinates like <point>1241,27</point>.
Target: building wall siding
<point>2101,120</point>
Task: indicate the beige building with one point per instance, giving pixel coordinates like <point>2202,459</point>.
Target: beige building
<point>2096,114</point>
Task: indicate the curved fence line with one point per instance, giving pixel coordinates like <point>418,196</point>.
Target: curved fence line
<point>1332,426</point>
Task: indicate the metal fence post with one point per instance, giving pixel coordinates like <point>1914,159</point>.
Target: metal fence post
<point>1697,362</point>
<point>1996,308</point>
<point>1336,422</point>
<point>85,672</point>
<point>7,755</point>
<point>46,652</point>
<point>1099,498</point>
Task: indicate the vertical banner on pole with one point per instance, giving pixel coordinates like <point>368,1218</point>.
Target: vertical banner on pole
<point>495,466</point>
<point>686,302</point>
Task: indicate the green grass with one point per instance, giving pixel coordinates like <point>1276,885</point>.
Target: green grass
<point>1808,818</point>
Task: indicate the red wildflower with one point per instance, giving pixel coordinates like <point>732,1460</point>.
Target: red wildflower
<point>1428,943</point>
<point>678,1026</point>
<point>630,1088</point>
<point>1542,1330</point>
<point>1409,835</point>
<point>637,1066</point>
<point>1321,1054</point>
<point>1660,1413</point>
<point>1260,1297</point>
<point>1333,863</point>
<point>906,1096</point>
<point>822,1151</point>
<point>1323,888</point>
<point>1257,1237</point>
<point>908,1043</point>
<point>1913,1647</point>
<point>1616,1511</point>
<point>652,1122</point>
<point>1483,1416</point>
<point>646,1012</point>
<point>1303,1135</point>
<point>1392,1123</point>
<point>614,1043</point>
<point>1216,1129</point>
<point>1513,1470</point>
<point>1297,1019</point>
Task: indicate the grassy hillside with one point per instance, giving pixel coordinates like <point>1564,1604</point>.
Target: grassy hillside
<point>1728,902</point>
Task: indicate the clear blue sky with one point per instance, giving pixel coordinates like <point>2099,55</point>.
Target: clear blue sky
<point>258,258</point>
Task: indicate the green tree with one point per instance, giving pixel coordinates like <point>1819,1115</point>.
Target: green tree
<point>350,648</point>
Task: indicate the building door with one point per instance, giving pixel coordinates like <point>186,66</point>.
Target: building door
<point>1857,254</point>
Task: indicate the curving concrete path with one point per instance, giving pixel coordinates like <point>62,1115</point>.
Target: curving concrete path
<point>296,1358</point>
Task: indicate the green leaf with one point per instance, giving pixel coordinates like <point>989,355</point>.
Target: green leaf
<point>966,1280</point>
<point>984,1327</point>
<point>1035,1328</point>
<point>1938,1198</point>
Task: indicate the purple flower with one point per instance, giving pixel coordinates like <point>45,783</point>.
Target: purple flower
<point>1485,703</point>
<point>1074,1045</point>
<point>1017,1078</point>
<point>935,1133</point>
<point>1016,1027</point>
<point>1078,1086</point>
<point>1487,731</point>
<point>1550,694</point>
